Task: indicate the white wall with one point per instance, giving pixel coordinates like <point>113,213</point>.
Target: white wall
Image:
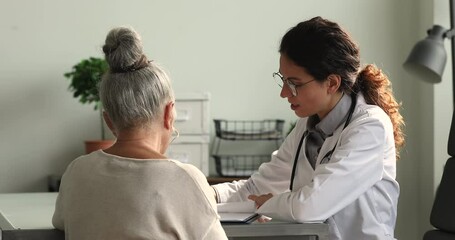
<point>227,48</point>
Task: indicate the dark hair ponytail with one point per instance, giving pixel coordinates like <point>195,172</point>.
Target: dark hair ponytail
<point>377,90</point>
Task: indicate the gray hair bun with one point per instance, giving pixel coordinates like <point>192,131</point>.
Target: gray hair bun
<point>123,50</point>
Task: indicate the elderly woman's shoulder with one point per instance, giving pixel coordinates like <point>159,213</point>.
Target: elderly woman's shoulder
<point>191,170</point>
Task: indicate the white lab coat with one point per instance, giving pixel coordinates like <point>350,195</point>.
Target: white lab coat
<point>356,191</point>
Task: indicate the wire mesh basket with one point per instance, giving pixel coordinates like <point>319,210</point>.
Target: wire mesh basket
<point>269,129</point>
<point>238,165</point>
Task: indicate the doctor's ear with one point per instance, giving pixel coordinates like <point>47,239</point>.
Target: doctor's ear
<point>333,83</point>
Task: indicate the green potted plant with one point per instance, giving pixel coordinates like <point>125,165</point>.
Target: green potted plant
<point>84,80</point>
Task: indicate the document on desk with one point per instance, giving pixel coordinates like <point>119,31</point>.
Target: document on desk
<point>237,212</point>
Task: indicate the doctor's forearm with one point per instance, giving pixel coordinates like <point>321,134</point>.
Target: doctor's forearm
<point>234,191</point>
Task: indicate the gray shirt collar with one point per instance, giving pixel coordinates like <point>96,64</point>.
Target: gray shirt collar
<point>333,120</point>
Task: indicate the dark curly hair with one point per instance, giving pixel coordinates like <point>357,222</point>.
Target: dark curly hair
<point>322,47</point>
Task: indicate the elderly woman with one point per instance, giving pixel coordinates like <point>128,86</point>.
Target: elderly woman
<point>132,190</point>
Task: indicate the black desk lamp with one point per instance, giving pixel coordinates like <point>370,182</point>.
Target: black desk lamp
<point>428,59</point>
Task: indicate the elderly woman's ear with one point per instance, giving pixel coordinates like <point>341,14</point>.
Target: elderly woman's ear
<point>169,115</point>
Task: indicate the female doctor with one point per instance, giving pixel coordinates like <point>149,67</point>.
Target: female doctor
<point>338,163</point>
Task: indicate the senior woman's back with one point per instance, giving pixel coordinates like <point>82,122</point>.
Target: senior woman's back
<point>131,190</point>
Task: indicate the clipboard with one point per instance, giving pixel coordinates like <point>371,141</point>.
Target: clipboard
<point>237,212</point>
<point>238,218</point>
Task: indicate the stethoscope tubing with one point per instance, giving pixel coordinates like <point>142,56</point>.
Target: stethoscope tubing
<point>329,153</point>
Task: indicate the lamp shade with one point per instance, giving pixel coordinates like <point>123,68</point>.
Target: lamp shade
<point>428,57</point>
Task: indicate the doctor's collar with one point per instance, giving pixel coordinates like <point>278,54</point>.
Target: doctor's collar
<point>333,120</point>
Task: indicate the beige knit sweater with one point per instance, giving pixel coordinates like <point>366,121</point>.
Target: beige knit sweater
<point>104,196</point>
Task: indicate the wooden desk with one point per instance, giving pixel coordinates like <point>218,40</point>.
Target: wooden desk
<point>54,181</point>
<point>28,216</point>
<point>216,180</point>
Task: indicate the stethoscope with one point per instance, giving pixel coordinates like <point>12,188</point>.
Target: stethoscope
<point>327,156</point>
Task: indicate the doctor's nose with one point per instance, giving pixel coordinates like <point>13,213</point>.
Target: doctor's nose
<point>286,91</point>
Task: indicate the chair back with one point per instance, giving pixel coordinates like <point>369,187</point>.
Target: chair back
<point>443,211</point>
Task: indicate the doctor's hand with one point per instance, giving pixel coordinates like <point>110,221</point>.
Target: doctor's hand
<point>261,199</point>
